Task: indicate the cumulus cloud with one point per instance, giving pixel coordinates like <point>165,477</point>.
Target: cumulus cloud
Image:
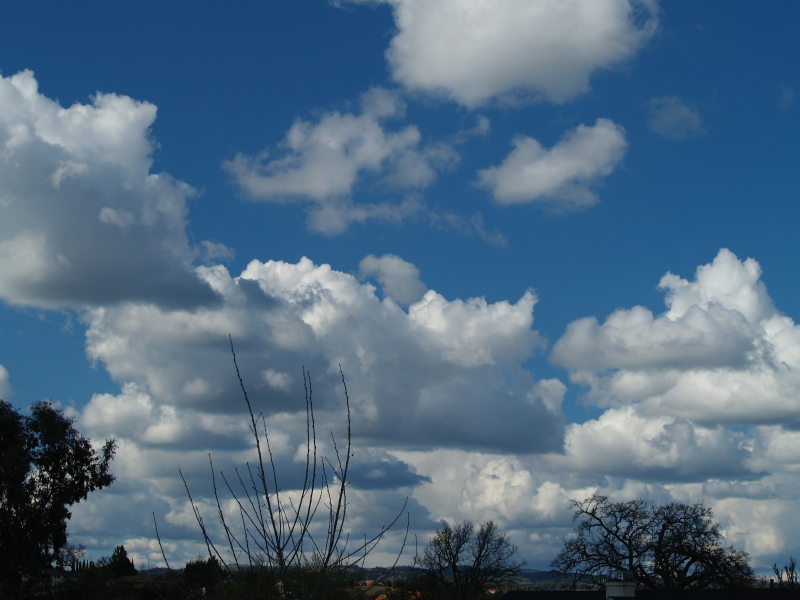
<point>433,436</point>
<point>623,443</point>
<point>622,455</point>
<point>462,353</point>
<point>180,397</point>
<point>400,279</point>
<point>776,449</point>
<point>473,52</point>
<point>322,162</point>
<point>721,353</point>
<point>563,176</point>
<point>672,118</point>
<point>82,218</point>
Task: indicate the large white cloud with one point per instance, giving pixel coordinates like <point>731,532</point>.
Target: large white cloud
<point>721,353</point>
<point>82,218</point>
<point>433,436</point>
<point>563,176</point>
<point>180,397</point>
<point>322,162</point>
<point>466,356</point>
<point>474,51</point>
<point>623,443</point>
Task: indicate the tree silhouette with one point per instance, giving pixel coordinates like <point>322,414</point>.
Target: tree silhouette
<point>119,565</point>
<point>462,562</point>
<point>46,466</point>
<point>674,546</point>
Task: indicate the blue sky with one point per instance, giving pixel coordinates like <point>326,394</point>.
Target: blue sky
<point>489,203</point>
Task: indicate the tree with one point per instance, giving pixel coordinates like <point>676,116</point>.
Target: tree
<point>46,466</point>
<point>674,546</point>
<point>202,576</point>
<point>70,556</point>
<point>119,565</point>
<point>270,548</point>
<point>462,563</point>
<point>788,576</point>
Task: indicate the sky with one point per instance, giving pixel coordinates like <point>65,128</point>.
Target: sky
<point>552,246</point>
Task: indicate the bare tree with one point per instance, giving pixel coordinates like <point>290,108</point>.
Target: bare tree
<point>674,546</point>
<point>70,556</point>
<point>788,576</point>
<point>462,562</point>
<point>270,547</point>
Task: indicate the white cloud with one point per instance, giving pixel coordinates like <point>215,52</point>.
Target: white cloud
<point>721,353</point>
<point>462,353</point>
<point>622,455</point>
<point>623,443</point>
<point>671,117</point>
<point>776,449</point>
<point>277,379</point>
<point>472,52</point>
<point>322,162</point>
<point>563,176</point>
<point>400,279</point>
<point>82,218</point>
<point>5,385</point>
<point>334,216</point>
<point>180,397</point>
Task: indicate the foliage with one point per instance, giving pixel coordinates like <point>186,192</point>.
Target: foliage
<point>46,466</point>
<point>462,563</point>
<point>203,576</point>
<point>270,548</point>
<point>119,565</point>
<point>674,546</point>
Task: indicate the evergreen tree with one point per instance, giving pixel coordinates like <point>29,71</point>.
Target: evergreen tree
<point>119,565</point>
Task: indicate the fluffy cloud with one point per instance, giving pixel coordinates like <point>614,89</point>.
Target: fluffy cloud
<point>472,52</point>
<point>82,218</point>
<point>621,455</point>
<point>673,118</point>
<point>322,162</point>
<point>466,355</point>
<point>433,437</point>
<point>400,279</point>
<point>180,397</point>
<point>721,353</point>
<point>623,443</point>
<point>563,176</point>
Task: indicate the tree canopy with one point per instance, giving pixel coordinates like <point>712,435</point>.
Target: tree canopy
<point>46,466</point>
<point>462,562</point>
<point>119,565</point>
<point>673,546</point>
